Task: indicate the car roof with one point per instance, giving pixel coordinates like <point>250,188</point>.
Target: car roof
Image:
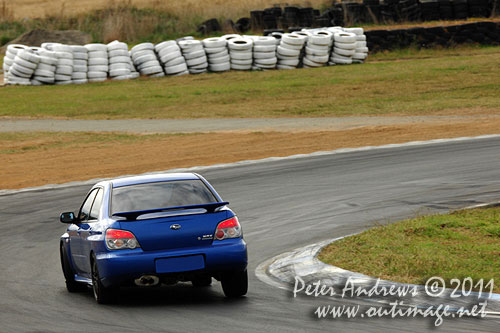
<point>163,177</point>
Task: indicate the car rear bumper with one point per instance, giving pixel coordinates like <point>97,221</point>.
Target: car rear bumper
<point>117,267</point>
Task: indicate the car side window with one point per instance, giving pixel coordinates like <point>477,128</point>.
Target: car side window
<point>96,207</point>
<point>87,205</point>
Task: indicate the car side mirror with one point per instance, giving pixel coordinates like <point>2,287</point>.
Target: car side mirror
<point>68,217</point>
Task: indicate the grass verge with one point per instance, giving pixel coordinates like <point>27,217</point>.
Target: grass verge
<point>458,245</point>
<point>428,82</point>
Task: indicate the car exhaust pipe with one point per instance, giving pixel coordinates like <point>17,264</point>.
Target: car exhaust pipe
<point>147,281</point>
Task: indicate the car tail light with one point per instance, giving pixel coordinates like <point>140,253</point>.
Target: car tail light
<point>120,239</point>
<point>228,229</point>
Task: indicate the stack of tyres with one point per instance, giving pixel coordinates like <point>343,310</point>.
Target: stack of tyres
<point>256,18</point>
<point>460,9</point>
<point>194,53</point>
<point>277,36</point>
<point>134,74</point>
<point>430,10</point>
<point>306,17</point>
<point>119,61</point>
<point>240,52</point>
<point>8,60</point>
<point>361,50</point>
<point>64,68</point>
<point>344,48</point>
<point>318,48</point>
<point>289,50</point>
<point>45,73</point>
<point>171,58</point>
<point>445,10</point>
<point>291,16</point>
<point>98,62</point>
<point>217,54</point>
<point>306,33</point>
<point>23,68</point>
<point>409,10</point>
<point>145,60</point>
<point>80,64</point>
<point>479,8</point>
<point>264,52</point>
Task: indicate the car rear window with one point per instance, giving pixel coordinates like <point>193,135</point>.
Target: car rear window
<point>160,195</point>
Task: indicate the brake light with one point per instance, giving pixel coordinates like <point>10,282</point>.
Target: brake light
<point>120,239</point>
<point>228,229</point>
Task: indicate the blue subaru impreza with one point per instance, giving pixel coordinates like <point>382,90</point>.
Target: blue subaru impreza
<point>151,230</point>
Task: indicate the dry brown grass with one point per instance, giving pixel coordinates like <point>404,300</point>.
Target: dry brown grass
<point>181,8</point>
<point>31,159</point>
<point>6,12</point>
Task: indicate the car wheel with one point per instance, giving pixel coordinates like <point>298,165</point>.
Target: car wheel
<point>235,284</point>
<point>71,285</point>
<point>202,281</point>
<point>102,294</point>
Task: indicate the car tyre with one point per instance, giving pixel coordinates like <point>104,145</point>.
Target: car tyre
<point>235,284</point>
<point>71,285</point>
<point>102,294</point>
<point>202,281</point>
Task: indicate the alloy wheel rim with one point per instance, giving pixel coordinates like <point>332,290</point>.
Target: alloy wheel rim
<point>95,279</point>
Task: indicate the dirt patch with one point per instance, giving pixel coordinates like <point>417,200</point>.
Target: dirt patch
<point>55,163</point>
<point>38,36</point>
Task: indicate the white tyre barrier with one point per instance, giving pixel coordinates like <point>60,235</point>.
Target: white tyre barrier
<point>293,39</point>
<point>171,56</point>
<point>119,67</point>
<point>64,64</point>
<point>119,59</point>
<point>22,66</point>
<point>240,51</point>
<point>223,67</point>
<point>344,37</point>
<point>217,54</point>
<point>176,61</point>
<point>319,45</point>
<point>290,50</point>
<point>83,81</point>
<point>145,60</point>
<point>143,47</point>
<point>98,68</point>
<point>343,52</point>
<point>240,55</point>
<point>78,76</point>
<point>285,67</point>
<point>195,56</point>
<point>284,51</point>
<point>214,43</point>
<point>215,50</point>
<point>264,53</point>
<point>176,69</point>
<point>346,46</point>
<point>97,62</point>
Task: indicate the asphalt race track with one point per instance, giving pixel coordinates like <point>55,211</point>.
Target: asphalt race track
<point>282,205</point>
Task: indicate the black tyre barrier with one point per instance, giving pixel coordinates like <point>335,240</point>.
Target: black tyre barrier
<point>486,33</point>
<point>353,12</point>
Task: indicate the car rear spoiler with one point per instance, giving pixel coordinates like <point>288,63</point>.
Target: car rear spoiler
<point>209,207</point>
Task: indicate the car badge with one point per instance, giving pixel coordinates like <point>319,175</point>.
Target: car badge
<point>175,226</point>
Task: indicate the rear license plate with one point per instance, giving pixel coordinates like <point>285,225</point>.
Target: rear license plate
<point>180,264</point>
